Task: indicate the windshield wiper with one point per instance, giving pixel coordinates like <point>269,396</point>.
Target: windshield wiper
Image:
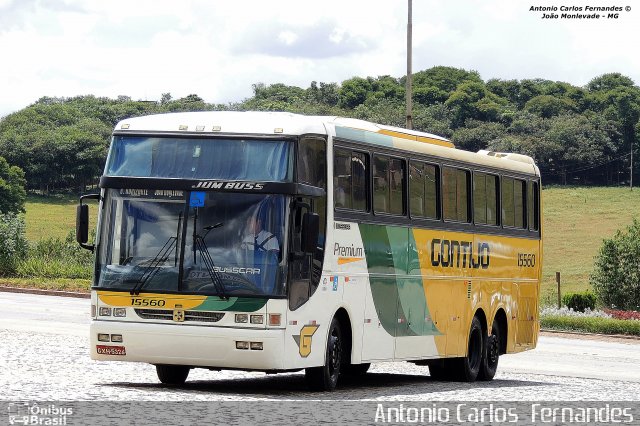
<point>153,267</point>
<point>208,261</point>
<point>161,257</point>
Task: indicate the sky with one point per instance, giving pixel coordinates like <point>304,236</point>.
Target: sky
<point>218,49</point>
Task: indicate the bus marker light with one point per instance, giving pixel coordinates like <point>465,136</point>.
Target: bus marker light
<point>278,130</point>
<point>105,312</point>
<point>242,345</point>
<point>125,126</point>
<point>216,128</point>
<point>313,322</point>
<point>367,320</point>
<point>102,337</point>
<point>257,319</point>
<point>94,311</point>
<point>116,338</point>
<point>293,322</point>
<point>183,127</point>
<point>242,318</point>
<point>274,319</point>
<point>199,128</point>
<point>119,312</point>
<point>256,346</point>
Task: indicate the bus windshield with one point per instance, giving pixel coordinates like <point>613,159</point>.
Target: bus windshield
<point>228,159</point>
<point>226,245</point>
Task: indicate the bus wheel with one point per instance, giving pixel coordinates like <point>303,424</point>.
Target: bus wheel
<point>491,354</point>
<point>469,366</point>
<point>325,378</point>
<point>172,374</point>
<point>355,369</point>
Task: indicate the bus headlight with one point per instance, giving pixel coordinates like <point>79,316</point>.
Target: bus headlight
<point>242,318</point>
<point>104,311</point>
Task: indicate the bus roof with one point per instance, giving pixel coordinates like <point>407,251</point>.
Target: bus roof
<point>274,123</point>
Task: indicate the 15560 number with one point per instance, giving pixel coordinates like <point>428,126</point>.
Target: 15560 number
<point>147,302</point>
<point>527,260</point>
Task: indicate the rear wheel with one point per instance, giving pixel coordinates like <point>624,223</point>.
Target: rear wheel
<point>172,374</point>
<point>469,367</point>
<point>491,354</point>
<point>325,378</point>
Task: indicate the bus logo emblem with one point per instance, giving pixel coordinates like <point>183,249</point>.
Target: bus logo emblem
<point>178,315</point>
<point>303,340</point>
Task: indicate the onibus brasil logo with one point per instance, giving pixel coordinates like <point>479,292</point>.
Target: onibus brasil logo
<point>30,413</point>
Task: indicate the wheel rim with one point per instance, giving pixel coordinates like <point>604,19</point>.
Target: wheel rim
<point>493,350</point>
<point>335,352</point>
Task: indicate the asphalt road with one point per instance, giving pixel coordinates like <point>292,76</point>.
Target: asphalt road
<point>44,356</point>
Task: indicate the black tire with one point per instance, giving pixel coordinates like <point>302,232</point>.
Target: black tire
<point>491,354</point>
<point>172,374</point>
<point>355,369</point>
<point>325,378</point>
<point>469,366</point>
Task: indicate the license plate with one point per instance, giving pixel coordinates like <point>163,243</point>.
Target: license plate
<point>110,350</point>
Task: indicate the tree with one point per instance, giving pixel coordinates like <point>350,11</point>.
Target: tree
<point>12,192</point>
<point>548,106</point>
<point>616,272</point>
<point>353,92</point>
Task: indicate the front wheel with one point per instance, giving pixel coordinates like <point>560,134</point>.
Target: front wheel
<point>172,374</point>
<point>325,378</point>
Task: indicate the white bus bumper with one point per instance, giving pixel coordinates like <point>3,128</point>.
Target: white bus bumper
<point>188,345</point>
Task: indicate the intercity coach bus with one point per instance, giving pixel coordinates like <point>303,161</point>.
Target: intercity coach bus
<point>279,242</point>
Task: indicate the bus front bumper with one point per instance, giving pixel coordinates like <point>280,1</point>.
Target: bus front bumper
<point>206,346</point>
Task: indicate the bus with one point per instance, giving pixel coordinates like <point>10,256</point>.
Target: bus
<point>276,242</point>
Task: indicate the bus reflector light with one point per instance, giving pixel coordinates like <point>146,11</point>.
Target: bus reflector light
<point>256,346</point>
<point>104,311</point>
<point>103,337</point>
<point>116,338</point>
<point>274,319</point>
<point>257,319</point>
<point>242,345</point>
<point>242,318</point>
<point>119,312</point>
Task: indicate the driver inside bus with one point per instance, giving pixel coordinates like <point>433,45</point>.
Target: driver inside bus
<point>258,239</point>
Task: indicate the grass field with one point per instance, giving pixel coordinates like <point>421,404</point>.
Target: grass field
<point>575,222</point>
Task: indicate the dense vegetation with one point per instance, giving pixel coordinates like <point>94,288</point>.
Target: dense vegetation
<point>576,134</point>
<point>616,274</point>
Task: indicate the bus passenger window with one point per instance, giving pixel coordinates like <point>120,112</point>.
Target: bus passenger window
<point>518,202</point>
<point>423,189</point>
<point>533,206</point>
<point>417,189</point>
<point>360,180</point>
<point>396,186</point>
<point>455,194</point>
<point>508,208</point>
<point>350,179</point>
<point>381,184</point>
<point>485,199</point>
<point>342,179</point>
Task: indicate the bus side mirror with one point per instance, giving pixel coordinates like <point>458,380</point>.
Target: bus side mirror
<point>310,231</point>
<point>82,222</point>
